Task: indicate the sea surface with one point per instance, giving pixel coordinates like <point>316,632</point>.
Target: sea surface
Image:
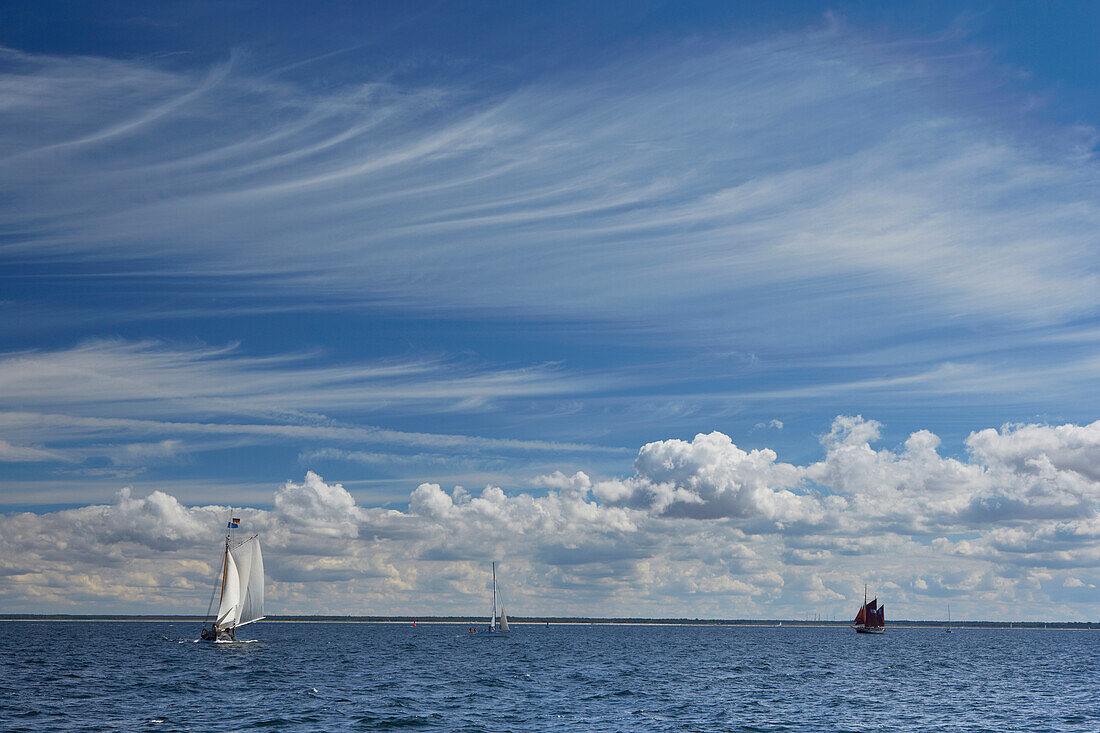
<point>102,676</point>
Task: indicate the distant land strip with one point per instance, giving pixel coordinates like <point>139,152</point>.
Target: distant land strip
<point>559,620</point>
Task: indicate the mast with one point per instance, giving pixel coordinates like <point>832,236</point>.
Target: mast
<point>493,623</point>
<point>225,570</point>
<point>225,562</point>
<point>219,588</point>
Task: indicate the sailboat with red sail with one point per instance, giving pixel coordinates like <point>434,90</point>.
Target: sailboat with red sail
<point>871,618</point>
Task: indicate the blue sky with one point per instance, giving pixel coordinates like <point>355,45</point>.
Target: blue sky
<point>428,244</point>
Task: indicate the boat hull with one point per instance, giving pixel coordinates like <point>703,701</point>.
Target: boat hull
<point>869,630</point>
<point>216,634</point>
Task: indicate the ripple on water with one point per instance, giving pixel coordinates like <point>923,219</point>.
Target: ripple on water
<point>67,676</point>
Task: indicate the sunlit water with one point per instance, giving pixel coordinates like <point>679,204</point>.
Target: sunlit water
<point>300,676</point>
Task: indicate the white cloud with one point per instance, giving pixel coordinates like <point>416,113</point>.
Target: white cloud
<point>322,508</point>
<point>1029,448</point>
<point>711,477</point>
<point>702,527</point>
<point>158,521</point>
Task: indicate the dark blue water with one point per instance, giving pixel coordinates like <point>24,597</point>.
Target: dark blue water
<point>307,677</point>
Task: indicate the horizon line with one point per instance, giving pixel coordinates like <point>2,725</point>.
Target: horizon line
<point>554,620</point>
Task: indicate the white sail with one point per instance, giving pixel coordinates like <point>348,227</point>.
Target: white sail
<point>503,623</point>
<point>250,568</point>
<point>231,595</point>
<point>493,613</point>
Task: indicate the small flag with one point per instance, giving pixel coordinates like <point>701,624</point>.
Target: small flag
<point>234,523</point>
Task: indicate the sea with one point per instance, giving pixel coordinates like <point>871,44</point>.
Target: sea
<point>154,676</point>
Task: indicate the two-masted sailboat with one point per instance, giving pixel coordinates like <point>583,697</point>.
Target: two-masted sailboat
<point>498,624</point>
<point>871,618</point>
<point>242,587</point>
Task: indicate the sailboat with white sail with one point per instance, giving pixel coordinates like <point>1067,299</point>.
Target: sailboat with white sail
<point>498,624</point>
<point>242,587</point>
<point>949,618</point>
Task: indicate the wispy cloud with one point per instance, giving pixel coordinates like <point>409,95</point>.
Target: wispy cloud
<point>813,197</point>
<point>10,453</point>
<point>158,378</point>
<point>691,169</point>
<point>139,402</point>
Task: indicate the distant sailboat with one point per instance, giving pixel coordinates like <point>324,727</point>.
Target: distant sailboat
<point>949,618</point>
<point>871,618</point>
<point>242,588</point>
<point>497,624</point>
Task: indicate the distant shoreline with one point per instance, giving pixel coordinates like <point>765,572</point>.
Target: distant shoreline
<point>562,621</point>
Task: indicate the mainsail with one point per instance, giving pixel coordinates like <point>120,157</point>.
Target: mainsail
<point>231,593</point>
<point>494,624</point>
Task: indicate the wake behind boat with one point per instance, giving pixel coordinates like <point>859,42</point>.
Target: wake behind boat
<point>871,618</point>
<point>242,588</point>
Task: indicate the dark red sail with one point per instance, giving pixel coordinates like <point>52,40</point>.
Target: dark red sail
<point>871,618</point>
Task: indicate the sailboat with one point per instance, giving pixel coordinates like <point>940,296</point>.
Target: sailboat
<point>949,618</point>
<point>497,624</point>
<point>242,587</point>
<point>871,618</point>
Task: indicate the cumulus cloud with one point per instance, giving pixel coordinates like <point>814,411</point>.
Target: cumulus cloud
<point>158,521</point>
<point>1031,447</point>
<point>320,507</point>
<point>701,527</point>
<point>710,477</point>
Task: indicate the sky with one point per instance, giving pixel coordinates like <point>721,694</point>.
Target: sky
<point>674,309</point>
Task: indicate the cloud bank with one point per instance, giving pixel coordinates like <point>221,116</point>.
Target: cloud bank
<point>700,528</point>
